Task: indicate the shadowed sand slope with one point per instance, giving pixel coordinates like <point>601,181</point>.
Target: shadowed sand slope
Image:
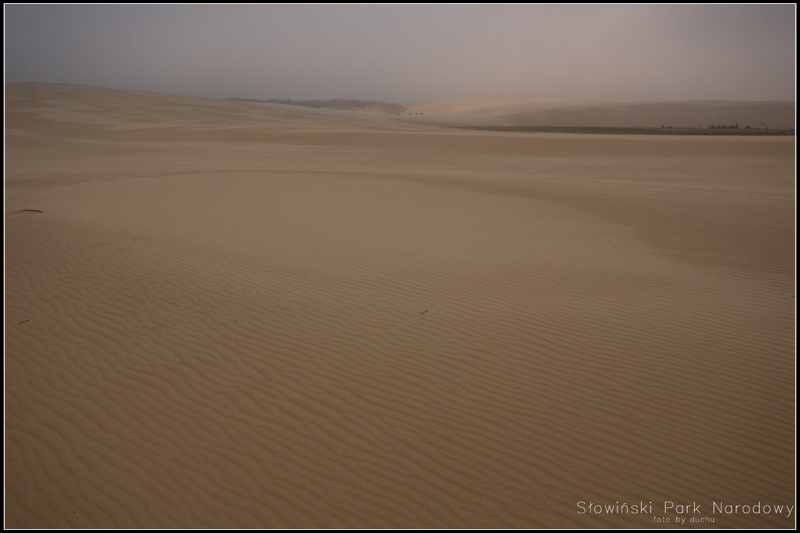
<point>222,314</point>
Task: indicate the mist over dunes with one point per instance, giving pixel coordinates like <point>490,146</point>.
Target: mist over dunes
<point>226,314</point>
<point>407,53</point>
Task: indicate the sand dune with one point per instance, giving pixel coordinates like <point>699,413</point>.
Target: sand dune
<point>222,314</point>
<point>598,113</point>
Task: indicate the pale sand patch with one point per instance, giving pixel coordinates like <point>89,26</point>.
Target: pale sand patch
<point>234,315</point>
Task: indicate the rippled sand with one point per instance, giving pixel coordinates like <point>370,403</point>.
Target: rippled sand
<point>222,314</point>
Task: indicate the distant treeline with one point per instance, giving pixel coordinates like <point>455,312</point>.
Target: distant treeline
<point>634,131</point>
<point>336,103</point>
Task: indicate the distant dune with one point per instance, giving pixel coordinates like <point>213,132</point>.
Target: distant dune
<point>336,103</point>
<point>623,114</point>
<point>222,314</point>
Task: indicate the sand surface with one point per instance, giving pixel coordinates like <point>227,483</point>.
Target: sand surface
<point>221,314</point>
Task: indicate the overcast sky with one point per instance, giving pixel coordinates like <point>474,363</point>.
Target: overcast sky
<point>410,53</point>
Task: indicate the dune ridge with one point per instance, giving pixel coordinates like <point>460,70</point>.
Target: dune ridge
<point>234,315</point>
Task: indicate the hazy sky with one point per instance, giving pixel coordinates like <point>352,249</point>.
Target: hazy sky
<point>410,53</point>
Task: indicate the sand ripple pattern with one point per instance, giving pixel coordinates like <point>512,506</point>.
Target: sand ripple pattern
<point>276,348</point>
